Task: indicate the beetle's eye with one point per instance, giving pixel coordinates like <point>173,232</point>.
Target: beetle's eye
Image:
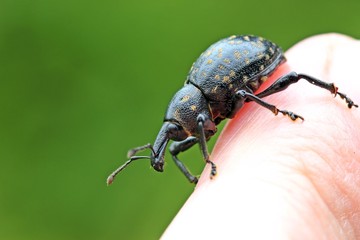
<point>176,132</point>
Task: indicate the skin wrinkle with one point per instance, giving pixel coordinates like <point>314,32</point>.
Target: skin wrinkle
<point>297,181</point>
<point>310,171</point>
<point>308,152</point>
<point>284,152</point>
<point>331,187</point>
<point>338,175</point>
<point>291,183</point>
<point>297,166</point>
<point>334,174</point>
<point>328,60</point>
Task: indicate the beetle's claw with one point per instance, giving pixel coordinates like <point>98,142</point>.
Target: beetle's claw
<point>213,171</point>
<point>351,103</point>
<point>194,180</point>
<point>291,115</point>
<point>348,100</point>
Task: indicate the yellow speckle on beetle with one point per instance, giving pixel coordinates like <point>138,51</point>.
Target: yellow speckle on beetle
<point>263,78</point>
<point>177,114</point>
<point>261,67</point>
<point>217,77</point>
<point>247,61</point>
<point>230,86</point>
<point>209,61</point>
<point>259,44</point>
<point>254,44</point>
<point>245,52</point>
<point>214,89</point>
<point>185,98</point>
<point>203,74</point>
<point>221,67</point>
<point>245,78</point>
<point>260,55</point>
<point>226,79</point>
<point>209,52</point>
<point>193,107</point>
<point>232,37</point>
<point>226,60</point>
<point>246,38</point>
<point>219,55</point>
<point>254,84</point>
<point>271,50</point>
<point>237,55</point>
<point>232,73</point>
<point>267,57</point>
<point>232,42</point>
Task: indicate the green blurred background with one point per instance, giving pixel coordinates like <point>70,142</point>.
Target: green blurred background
<point>81,82</point>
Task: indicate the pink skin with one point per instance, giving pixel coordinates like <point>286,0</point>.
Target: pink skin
<point>280,179</point>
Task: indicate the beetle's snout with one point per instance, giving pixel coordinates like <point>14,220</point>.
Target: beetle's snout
<point>159,167</point>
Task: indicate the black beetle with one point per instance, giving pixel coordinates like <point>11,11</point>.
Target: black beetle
<point>222,79</point>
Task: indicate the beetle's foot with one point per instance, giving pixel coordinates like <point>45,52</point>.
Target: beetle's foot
<point>348,100</point>
<point>110,179</point>
<point>291,115</point>
<point>193,179</point>
<point>213,169</point>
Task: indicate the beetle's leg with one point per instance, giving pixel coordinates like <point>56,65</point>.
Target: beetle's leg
<point>133,151</point>
<point>242,95</point>
<point>177,147</point>
<point>202,141</point>
<point>112,176</point>
<point>283,82</point>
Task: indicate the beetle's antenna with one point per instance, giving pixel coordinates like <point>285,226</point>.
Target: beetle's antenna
<point>111,177</point>
<point>133,151</point>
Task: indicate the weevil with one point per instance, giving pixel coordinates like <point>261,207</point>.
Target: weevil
<point>219,83</point>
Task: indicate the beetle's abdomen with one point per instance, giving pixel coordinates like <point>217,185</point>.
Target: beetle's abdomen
<point>237,62</point>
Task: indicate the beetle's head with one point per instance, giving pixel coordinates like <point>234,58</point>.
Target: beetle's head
<point>183,112</point>
<point>181,121</point>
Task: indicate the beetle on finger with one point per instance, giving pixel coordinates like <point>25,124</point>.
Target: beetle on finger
<point>219,83</point>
